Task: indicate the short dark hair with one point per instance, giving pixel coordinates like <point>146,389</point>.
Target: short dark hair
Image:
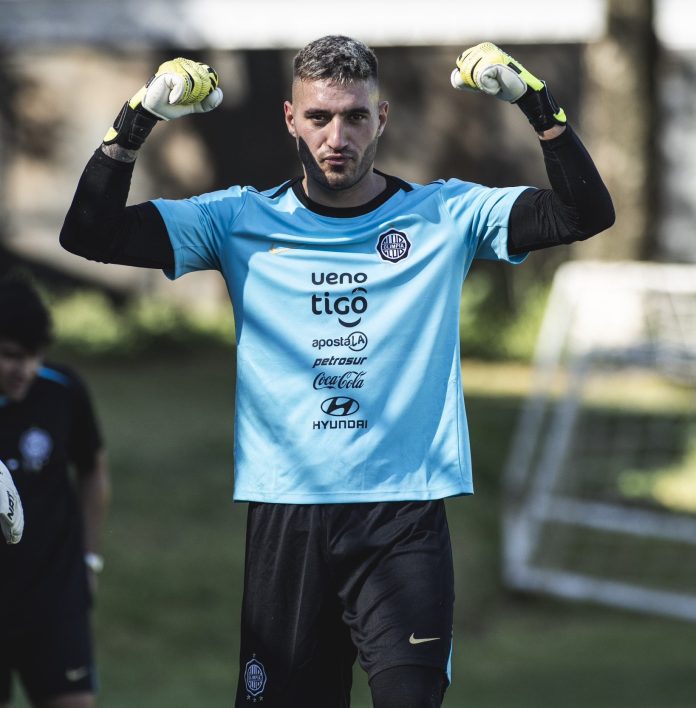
<point>335,58</point>
<point>24,318</point>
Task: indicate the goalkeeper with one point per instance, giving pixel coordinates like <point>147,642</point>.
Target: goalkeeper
<point>344,456</point>
<point>47,430</point>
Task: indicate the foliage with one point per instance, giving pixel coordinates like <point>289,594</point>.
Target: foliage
<point>491,329</point>
<point>89,323</point>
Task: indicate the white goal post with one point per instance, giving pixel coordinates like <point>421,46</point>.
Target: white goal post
<point>600,482</point>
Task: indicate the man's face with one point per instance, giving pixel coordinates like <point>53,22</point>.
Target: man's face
<point>18,369</point>
<point>337,128</point>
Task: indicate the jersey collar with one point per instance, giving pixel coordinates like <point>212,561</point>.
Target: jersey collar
<point>393,185</point>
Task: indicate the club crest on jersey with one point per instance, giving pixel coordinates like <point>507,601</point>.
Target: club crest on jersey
<point>393,246</point>
<point>35,446</point>
<point>254,678</point>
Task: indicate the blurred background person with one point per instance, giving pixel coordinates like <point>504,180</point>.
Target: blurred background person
<point>48,428</point>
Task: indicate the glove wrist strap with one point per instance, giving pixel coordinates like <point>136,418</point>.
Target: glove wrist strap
<point>131,127</point>
<point>541,109</point>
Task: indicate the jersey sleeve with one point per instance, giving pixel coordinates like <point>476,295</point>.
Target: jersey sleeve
<point>85,434</point>
<point>483,216</point>
<point>197,228</point>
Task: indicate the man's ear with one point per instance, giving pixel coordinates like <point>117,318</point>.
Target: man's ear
<point>382,112</point>
<point>289,118</point>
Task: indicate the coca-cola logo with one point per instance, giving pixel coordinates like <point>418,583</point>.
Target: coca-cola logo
<point>348,379</point>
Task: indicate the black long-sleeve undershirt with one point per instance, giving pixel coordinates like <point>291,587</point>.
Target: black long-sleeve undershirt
<point>576,207</point>
<point>100,227</point>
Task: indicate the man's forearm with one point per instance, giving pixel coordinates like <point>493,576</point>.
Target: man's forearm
<point>100,226</point>
<point>94,492</point>
<point>577,206</point>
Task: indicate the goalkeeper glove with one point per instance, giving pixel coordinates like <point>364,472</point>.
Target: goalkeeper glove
<point>180,87</point>
<point>488,68</point>
<point>11,511</point>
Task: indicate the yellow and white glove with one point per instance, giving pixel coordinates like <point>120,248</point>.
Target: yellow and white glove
<point>489,69</point>
<point>11,511</point>
<point>178,88</point>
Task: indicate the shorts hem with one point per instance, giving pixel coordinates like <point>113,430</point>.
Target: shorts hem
<point>406,662</point>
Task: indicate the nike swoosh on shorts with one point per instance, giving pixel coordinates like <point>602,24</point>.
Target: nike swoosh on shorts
<point>421,640</point>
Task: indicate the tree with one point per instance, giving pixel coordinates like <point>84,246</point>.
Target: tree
<point>620,121</point>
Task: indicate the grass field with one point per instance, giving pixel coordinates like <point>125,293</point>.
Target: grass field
<point>166,617</point>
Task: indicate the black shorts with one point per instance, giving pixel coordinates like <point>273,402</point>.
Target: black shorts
<point>326,583</point>
<point>51,660</point>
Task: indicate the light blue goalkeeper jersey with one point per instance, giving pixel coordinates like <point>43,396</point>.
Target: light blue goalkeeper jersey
<point>348,370</point>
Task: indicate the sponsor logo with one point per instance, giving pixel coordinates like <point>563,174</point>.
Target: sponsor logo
<point>349,308</point>
<point>338,424</point>
<point>339,361</point>
<point>338,278</point>
<point>343,305</point>
<point>35,446</point>
<point>254,677</point>
<point>393,246</point>
<point>421,640</point>
<point>355,341</point>
<point>10,505</point>
<point>340,406</point>
<point>349,379</point>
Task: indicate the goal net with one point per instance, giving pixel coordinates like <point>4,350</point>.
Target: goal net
<point>600,483</point>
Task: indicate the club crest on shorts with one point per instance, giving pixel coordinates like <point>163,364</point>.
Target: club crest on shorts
<point>254,678</point>
<point>393,246</point>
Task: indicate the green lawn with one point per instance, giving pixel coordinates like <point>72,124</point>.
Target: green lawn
<point>167,612</point>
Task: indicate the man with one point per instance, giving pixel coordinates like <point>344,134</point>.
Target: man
<point>350,423</point>
<point>47,426</point>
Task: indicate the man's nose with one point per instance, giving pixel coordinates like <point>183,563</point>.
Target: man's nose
<point>337,134</point>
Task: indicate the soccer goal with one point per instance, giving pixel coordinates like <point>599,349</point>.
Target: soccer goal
<point>600,483</point>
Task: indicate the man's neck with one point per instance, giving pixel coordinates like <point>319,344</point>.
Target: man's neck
<point>370,186</point>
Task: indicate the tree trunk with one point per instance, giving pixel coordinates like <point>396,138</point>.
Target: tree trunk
<point>619,124</point>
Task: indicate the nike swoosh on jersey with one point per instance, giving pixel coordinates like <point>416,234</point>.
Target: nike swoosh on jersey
<point>421,640</point>
<point>276,249</point>
<point>77,674</point>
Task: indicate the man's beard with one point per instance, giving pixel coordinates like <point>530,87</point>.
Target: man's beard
<point>343,180</point>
